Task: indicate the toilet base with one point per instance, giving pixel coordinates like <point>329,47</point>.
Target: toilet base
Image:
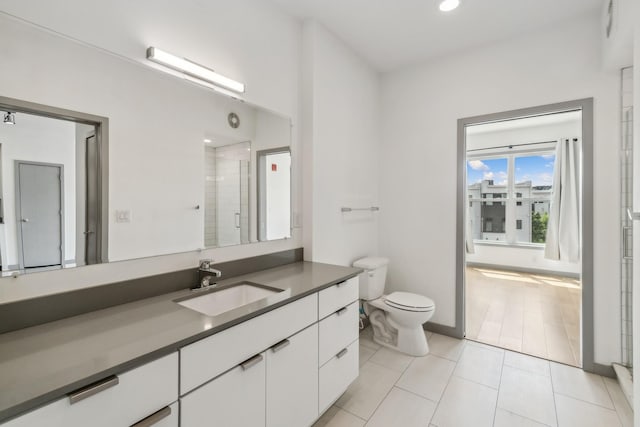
<point>411,342</point>
<point>408,340</point>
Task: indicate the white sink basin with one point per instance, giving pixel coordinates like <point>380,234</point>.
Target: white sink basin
<point>219,301</point>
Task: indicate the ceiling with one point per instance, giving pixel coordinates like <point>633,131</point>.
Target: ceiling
<point>390,34</point>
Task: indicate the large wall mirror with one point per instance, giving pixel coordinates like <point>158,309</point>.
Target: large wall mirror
<point>181,172</point>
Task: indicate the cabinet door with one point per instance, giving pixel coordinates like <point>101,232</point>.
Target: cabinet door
<point>292,380</point>
<point>119,401</point>
<point>234,399</point>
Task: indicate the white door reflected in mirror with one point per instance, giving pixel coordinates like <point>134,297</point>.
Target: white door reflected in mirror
<point>274,194</point>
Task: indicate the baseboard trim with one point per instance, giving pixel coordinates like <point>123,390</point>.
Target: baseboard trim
<point>604,370</point>
<point>523,270</point>
<point>450,331</point>
<point>437,328</point>
<point>625,380</point>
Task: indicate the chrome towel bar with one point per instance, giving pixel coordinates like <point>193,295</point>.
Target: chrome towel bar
<point>372,209</point>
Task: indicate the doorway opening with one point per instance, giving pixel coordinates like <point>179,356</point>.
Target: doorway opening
<point>524,229</point>
<point>53,188</point>
<point>274,193</point>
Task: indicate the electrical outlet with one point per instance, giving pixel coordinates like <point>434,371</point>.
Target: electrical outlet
<point>123,216</point>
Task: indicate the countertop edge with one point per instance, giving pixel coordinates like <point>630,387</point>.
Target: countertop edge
<point>46,398</point>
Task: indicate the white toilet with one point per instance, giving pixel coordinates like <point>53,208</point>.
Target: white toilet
<point>396,318</point>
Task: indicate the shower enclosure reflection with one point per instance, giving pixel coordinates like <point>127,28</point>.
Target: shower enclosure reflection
<point>226,210</point>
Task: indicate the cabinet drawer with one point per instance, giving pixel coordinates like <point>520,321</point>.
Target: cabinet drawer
<point>235,399</point>
<point>135,395</point>
<point>337,296</point>
<point>337,331</point>
<point>336,375</point>
<point>209,357</point>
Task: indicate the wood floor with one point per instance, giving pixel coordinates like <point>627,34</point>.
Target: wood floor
<point>528,313</point>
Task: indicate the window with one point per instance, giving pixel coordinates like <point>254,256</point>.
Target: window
<point>487,191</point>
<point>509,196</point>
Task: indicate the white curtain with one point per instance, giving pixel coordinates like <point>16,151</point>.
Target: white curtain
<point>563,228</point>
<point>469,233</point>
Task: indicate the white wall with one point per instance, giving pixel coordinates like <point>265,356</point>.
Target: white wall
<point>247,40</point>
<point>341,147</point>
<point>420,109</point>
<point>157,122</point>
<point>37,139</point>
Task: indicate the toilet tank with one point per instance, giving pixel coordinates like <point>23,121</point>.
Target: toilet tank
<point>373,278</point>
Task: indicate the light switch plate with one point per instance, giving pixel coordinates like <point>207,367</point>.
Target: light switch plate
<point>123,216</point>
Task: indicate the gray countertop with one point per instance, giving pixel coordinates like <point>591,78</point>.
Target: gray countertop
<point>45,362</point>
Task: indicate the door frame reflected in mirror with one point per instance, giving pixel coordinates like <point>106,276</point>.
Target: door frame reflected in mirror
<point>101,126</point>
<point>261,193</point>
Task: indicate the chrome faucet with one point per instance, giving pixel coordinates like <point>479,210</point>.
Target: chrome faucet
<point>207,274</point>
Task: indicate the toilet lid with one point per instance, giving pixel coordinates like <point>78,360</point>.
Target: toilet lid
<point>409,301</point>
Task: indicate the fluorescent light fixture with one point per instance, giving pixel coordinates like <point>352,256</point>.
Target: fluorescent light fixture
<point>193,70</point>
<point>449,5</point>
<point>207,140</point>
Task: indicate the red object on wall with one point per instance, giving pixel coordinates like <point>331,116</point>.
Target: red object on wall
<point>274,167</point>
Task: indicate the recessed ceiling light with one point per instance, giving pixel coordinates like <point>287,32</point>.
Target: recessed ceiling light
<point>449,5</point>
<point>207,140</point>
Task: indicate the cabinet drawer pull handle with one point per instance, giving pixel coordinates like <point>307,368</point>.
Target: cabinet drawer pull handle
<point>92,389</point>
<point>342,311</point>
<point>342,353</point>
<point>344,282</point>
<point>279,346</point>
<point>154,418</point>
<point>251,362</point>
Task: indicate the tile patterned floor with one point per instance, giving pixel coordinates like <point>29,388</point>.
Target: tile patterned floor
<point>529,313</point>
<point>465,383</point>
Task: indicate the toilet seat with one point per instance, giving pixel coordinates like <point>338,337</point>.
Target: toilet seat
<point>409,302</point>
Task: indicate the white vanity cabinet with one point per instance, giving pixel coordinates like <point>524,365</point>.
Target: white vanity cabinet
<point>282,368</point>
<point>338,341</point>
<point>234,399</point>
<point>292,380</point>
<point>259,372</point>
<point>122,400</point>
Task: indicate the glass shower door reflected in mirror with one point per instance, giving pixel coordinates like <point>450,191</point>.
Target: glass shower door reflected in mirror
<point>226,214</point>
